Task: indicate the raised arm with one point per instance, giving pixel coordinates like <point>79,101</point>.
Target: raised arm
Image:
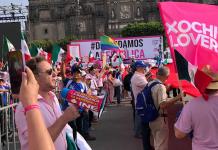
<point>38,136</point>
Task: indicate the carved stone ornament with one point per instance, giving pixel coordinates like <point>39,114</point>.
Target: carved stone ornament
<point>125,12</point>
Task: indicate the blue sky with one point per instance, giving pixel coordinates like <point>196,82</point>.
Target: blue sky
<point>18,2</point>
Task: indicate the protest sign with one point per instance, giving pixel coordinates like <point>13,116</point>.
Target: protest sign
<point>81,99</point>
<point>137,47</point>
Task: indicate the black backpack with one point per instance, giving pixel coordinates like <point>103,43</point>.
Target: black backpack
<point>127,81</point>
<point>145,104</point>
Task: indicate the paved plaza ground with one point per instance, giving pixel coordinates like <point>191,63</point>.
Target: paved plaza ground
<point>114,131</point>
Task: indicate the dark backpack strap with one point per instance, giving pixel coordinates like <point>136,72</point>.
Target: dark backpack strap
<point>153,84</point>
<point>69,83</point>
<point>149,91</point>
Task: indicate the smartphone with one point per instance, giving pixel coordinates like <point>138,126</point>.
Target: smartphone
<point>16,65</point>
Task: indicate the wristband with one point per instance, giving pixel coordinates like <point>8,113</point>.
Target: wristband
<point>30,107</point>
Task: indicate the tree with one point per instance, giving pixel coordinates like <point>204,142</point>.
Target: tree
<point>143,29</point>
<point>65,41</point>
<point>46,45</point>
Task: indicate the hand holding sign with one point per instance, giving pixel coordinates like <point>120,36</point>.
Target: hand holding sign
<point>81,99</point>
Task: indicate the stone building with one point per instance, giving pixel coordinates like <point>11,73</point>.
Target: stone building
<point>152,13</point>
<point>88,19</point>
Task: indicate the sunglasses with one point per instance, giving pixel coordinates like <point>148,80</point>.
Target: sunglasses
<point>49,71</point>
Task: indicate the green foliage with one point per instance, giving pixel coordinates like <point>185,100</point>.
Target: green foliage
<point>65,41</point>
<point>45,44</point>
<point>143,29</point>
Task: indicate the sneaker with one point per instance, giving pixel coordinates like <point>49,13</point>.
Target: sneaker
<point>88,137</point>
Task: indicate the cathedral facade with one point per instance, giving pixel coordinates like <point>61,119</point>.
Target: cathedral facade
<point>88,19</point>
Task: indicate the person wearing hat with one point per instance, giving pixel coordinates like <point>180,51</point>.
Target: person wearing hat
<point>200,117</point>
<point>138,82</point>
<point>93,85</point>
<point>82,123</point>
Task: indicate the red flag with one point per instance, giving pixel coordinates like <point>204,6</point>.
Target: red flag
<point>68,57</point>
<point>173,81</point>
<point>49,57</point>
<point>24,48</point>
<point>199,77</point>
<point>91,57</point>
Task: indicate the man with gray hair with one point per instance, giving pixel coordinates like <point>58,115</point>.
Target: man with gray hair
<point>159,127</point>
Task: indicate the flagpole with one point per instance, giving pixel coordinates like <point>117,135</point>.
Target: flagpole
<point>104,59</point>
<point>177,75</point>
<point>2,48</point>
<point>119,59</point>
<point>2,55</point>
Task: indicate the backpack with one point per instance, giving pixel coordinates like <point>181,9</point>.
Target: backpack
<point>127,81</point>
<point>145,107</point>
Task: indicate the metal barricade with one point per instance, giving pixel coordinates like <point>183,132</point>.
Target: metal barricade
<point>58,87</point>
<point>8,133</point>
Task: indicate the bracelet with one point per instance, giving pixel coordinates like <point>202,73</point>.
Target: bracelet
<point>30,107</point>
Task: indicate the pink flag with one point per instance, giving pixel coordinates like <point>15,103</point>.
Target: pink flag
<point>192,30</point>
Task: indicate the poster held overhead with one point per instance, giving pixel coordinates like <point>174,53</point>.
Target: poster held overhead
<point>104,59</point>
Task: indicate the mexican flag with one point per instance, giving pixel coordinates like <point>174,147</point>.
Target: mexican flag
<point>25,49</point>
<point>192,74</point>
<point>7,47</point>
<point>44,54</point>
<point>122,54</point>
<point>33,50</point>
<point>114,57</point>
<point>57,53</point>
<point>91,57</point>
<point>68,57</point>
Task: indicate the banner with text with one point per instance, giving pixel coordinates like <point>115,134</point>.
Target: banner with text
<point>133,47</point>
<point>192,30</point>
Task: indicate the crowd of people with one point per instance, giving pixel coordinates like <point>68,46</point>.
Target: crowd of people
<point>45,120</point>
<point>66,121</point>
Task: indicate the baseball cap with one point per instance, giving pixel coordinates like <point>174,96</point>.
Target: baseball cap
<point>75,68</point>
<point>140,64</point>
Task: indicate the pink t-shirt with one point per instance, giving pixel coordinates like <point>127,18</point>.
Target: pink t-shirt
<point>138,82</point>
<point>49,114</point>
<point>202,117</point>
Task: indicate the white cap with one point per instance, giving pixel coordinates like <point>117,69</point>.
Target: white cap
<point>83,73</point>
